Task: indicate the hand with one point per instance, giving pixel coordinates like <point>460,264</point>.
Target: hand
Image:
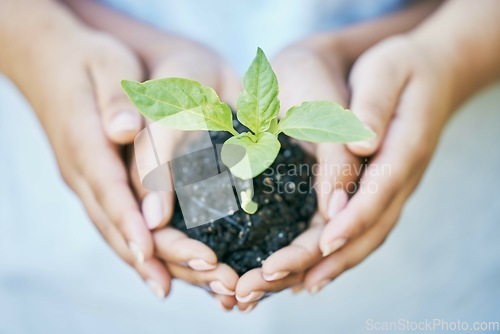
<point>166,55</point>
<point>304,74</point>
<point>317,68</point>
<point>186,258</point>
<point>71,76</point>
<point>401,91</point>
<point>352,43</point>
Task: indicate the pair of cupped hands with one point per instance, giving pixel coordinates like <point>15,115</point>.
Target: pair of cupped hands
<point>393,88</point>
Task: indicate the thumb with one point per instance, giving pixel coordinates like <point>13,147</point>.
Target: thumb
<point>376,85</point>
<point>120,119</point>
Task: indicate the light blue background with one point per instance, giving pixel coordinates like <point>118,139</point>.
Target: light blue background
<point>442,260</point>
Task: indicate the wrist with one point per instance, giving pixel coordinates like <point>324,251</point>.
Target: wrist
<point>465,52</point>
<point>35,35</point>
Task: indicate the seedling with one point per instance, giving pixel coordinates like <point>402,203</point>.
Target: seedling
<point>187,105</point>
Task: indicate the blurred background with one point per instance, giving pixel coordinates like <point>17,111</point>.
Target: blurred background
<point>441,261</point>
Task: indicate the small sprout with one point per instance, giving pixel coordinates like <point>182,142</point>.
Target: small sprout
<point>187,105</point>
<point>247,203</point>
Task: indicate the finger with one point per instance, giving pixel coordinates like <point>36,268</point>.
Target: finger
<point>221,280</point>
<point>97,161</point>
<point>324,79</point>
<point>247,307</point>
<point>156,277</point>
<point>364,209</point>
<point>195,63</point>
<point>154,148</point>
<point>252,286</point>
<point>300,255</point>
<point>356,250</point>
<point>157,206</point>
<point>401,157</point>
<point>337,175</point>
<point>376,85</point>
<point>226,303</point>
<point>121,120</point>
<point>152,271</point>
<point>107,230</point>
<point>174,246</point>
<point>109,183</point>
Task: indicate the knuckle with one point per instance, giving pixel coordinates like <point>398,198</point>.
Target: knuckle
<point>372,110</point>
<point>116,55</point>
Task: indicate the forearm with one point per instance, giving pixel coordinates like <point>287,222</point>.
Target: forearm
<point>29,34</point>
<point>464,37</point>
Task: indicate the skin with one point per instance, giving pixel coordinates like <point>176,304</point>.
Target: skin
<point>321,65</point>
<point>407,103</point>
<point>163,56</point>
<point>56,45</point>
<point>397,113</point>
<point>82,98</point>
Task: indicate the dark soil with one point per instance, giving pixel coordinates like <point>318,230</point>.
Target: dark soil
<point>286,204</point>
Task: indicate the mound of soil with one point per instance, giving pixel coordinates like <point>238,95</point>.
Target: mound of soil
<point>286,204</point>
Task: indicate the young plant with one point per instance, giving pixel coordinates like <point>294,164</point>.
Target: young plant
<point>187,105</point>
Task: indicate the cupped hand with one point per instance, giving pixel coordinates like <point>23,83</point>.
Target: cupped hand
<point>304,74</point>
<point>72,78</point>
<point>392,98</point>
<point>401,91</point>
<point>186,258</point>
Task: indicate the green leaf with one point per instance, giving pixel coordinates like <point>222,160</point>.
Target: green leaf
<point>323,121</point>
<point>210,117</point>
<point>258,104</point>
<point>160,99</point>
<point>246,158</point>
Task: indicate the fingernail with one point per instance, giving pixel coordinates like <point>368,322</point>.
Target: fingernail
<point>338,201</point>
<point>297,288</point>
<point>136,252</point>
<point>152,208</point>
<point>157,289</point>
<point>317,288</point>
<point>201,265</point>
<point>333,246</point>
<point>218,287</point>
<point>276,276</point>
<point>364,144</point>
<point>252,297</point>
<point>126,120</point>
<point>249,308</point>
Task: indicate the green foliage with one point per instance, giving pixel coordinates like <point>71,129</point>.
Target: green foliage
<point>187,105</point>
<point>323,121</point>
<point>258,104</point>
